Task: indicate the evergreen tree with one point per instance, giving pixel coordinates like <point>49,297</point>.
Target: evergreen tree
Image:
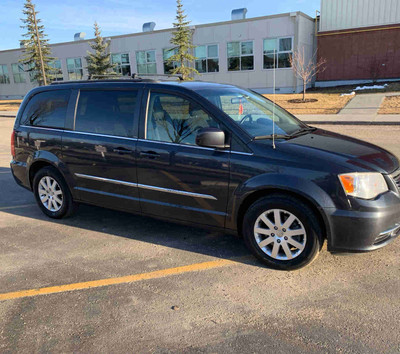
<point>99,62</point>
<point>36,54</point>
<point>182,39</point>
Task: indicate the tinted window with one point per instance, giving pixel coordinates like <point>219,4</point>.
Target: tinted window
<point>174,119</point>
<point>108,112</point>
<point>47,109</point>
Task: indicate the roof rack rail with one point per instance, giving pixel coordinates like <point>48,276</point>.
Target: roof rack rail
<point>119,78</point>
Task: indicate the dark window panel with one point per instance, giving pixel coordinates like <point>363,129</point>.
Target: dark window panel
<point>234,64</point>
<point>247,63</point>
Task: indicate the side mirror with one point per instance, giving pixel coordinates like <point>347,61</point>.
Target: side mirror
<point>211,137</point>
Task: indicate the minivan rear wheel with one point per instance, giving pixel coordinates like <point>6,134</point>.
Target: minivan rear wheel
<point>52,193</point>
<point>282,232</point>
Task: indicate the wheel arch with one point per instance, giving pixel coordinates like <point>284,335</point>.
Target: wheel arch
<point>256,195</point>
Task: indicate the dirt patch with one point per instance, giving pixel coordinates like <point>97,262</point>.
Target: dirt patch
<point>10,105</point>
<point>390,105</point>
<point>319,103</point>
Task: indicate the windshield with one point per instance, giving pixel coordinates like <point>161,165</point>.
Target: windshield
<point>253,112</point>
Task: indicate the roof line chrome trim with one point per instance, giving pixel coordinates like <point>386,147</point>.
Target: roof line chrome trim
<point>145,186</point>
<point>41,128</point>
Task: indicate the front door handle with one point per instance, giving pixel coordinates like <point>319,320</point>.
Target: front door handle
<point>149,154</point>
<point>122,151</point>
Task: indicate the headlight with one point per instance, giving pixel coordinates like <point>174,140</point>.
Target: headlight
<point>363,185</point>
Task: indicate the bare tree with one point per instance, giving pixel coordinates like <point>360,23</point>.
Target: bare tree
<point>306,70</point>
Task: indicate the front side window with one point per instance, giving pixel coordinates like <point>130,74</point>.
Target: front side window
<point>175,119</point>
<point>207,58</point>
<point>56,71</point>
<point>109,112</point>
<point>240,56</point>
<point>254,113</point>
<point>47,109</point>
<point>277,52</point>
<point>169,66</point>
<point>4,77</point>
<point>146,62</point>
<point>123,65</point>
<point>18,73</point>
<point>74,67</point>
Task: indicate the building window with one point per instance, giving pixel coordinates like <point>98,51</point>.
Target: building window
<point>123,65</point>
<point>74,67</point>
<point>18,73</point>
<point>283,49</point>
<point>32,73</point>
<point>4,77</point>
<point>240,56</point>
<point>207,58</point>
<point>146,62</point>
<point>169,66</point>
<point>56,71</point>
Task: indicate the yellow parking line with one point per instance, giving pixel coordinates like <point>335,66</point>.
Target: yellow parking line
<point>16,207</point>
<point>120,280</point>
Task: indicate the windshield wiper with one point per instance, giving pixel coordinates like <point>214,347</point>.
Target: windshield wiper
<point>271,136</point>
<point>302,131</point>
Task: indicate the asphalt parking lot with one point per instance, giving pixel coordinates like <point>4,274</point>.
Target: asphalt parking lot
<point>105,281</point>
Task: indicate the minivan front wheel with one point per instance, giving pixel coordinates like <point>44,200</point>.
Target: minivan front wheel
<point>282,232</point>
<point>52,193</point>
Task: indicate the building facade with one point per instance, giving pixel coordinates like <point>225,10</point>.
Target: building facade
<point>239,52</point>
<point>360,39</point>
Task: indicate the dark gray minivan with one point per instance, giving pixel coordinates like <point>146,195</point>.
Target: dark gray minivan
<point>209,155</point>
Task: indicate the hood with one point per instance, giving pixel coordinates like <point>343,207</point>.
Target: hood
<point>354,154</point>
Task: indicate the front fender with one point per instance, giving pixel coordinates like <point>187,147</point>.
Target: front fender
<point>274,182</point>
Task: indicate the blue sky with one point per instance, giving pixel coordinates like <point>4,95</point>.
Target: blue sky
<point>64,18</point>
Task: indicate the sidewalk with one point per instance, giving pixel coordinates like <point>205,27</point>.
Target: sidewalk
<point>361,110</point>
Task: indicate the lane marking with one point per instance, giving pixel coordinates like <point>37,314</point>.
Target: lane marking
<point>16,206</point>
<point>121,280</point>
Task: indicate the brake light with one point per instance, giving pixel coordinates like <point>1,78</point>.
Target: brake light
<point>13,144</point>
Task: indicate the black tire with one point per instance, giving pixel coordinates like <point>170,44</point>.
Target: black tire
<point>312,240</point>
<point>68,206</point>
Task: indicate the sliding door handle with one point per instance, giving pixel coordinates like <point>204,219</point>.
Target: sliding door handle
<point>149,154</point>
<point>123,151</point>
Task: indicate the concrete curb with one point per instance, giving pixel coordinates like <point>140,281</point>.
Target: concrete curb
<point>325,122</point>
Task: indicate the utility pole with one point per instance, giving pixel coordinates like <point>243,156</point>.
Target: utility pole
<point>38,43</point>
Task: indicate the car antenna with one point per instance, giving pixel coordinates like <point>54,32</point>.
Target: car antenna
<point>273,107</point>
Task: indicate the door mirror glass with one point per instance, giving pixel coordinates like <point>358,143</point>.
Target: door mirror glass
<point>211,137</point>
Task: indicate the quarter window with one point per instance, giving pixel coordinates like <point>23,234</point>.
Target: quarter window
<point>207,58</point>
<point>169,66</point>
<point>174,119</point>
<point>47,109</point>
<point>56,71</point>
<point>240,56</point>
<point>109,112</point>
<point>146,62</point>
<point>4,77</point>
<point>18,73</point>
<point>123,65</point>
<point>74,67</point>
<point>283,49</point>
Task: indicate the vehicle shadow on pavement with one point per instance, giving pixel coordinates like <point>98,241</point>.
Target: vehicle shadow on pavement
<point>146,229</point>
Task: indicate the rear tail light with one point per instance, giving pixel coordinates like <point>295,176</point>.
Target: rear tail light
<point>13,144</point>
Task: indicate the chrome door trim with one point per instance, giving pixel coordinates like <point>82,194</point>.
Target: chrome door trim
<point>108,180</point>
<point>175,191</point>
<point>145,186</point>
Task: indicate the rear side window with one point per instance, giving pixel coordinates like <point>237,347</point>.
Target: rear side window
<point>47,109</point>
<point>109,112</point>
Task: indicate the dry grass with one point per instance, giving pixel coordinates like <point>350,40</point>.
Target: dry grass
<point>328,103</point>
<point>390,105</point>
<point>9,105</point>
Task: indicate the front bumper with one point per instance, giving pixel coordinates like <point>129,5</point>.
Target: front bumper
<point>371,224</point>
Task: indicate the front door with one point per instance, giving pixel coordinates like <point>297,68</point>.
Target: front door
<point>176,178</point>
<point>100,150</point>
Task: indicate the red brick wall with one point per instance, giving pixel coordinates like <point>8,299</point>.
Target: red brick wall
<point>359,53</point>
